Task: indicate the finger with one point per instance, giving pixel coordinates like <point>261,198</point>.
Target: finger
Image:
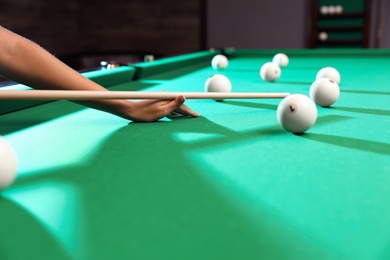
<point>179,100</point>
<point>174,104</point>
<point>177,106</point>
<point>184,110</point>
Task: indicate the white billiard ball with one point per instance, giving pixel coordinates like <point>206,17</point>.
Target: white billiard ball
<point>218,83</point>
<point>324,10</point>
<point>296,113</point>
<point>329,72</point>
<point>8,164</point>
<point>339,9</point>
<point>281,59</point>
<point>323,36</point>
<point>324,92</point>
<point>219,62</point>
<point>270,71</point>
<point>332,9</point>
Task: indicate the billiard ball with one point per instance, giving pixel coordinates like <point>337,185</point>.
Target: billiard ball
<point>270,71</point>
<point>339,9</point>
<point>296,113</point>
<point>329,72</point>
<point>323,36</point>
<point>324,10</point>
<point>324,92</point>
<point>149,58</point>
<point>281,59</point>
<point>332,9</point>
<point>218,83</point>
<point>219,62</point>
<point>7,164</point>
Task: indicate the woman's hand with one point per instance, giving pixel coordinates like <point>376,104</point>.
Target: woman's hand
<point>153,110</point>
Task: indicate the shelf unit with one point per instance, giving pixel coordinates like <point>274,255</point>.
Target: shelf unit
<point>349,29</point>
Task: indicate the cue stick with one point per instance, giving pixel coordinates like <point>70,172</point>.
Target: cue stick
<point>98,95</point>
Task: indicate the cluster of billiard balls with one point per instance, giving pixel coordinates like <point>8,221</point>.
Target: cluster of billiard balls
<point>296,113</point>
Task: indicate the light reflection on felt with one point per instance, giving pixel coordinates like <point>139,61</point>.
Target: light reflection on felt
<point>56,206</point>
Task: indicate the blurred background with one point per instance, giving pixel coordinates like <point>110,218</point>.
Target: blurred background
<point>82,32</point>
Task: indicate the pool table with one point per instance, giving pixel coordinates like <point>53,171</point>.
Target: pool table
<point>231,184</point>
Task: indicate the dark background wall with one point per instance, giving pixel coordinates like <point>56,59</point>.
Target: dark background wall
<point>169,27</point>
<point>165,27</point>
<point>383,28</point>
<point>258,24</point>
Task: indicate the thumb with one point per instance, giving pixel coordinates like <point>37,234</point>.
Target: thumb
<point>179,100</point>
<point>174,104</point>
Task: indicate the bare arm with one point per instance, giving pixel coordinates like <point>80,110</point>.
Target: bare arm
<point>25,62</point>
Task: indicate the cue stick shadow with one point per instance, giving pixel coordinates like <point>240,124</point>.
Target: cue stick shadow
<point>251,71</point>
<point>324,120</point>
<point>315,70</point>
<point>366,92</point>
<point>200,125</point>
<point>379,112</point>
<point>352,143</point>
<point>223,135</point>
<point>306,84</point>
<point>250,104</point>
<point>347,142</point>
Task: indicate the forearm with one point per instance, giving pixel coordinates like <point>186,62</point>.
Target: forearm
<point>25,62</point>
<point>32,65</point>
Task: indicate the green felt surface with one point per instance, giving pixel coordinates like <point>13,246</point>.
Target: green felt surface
<point>231,184</point>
